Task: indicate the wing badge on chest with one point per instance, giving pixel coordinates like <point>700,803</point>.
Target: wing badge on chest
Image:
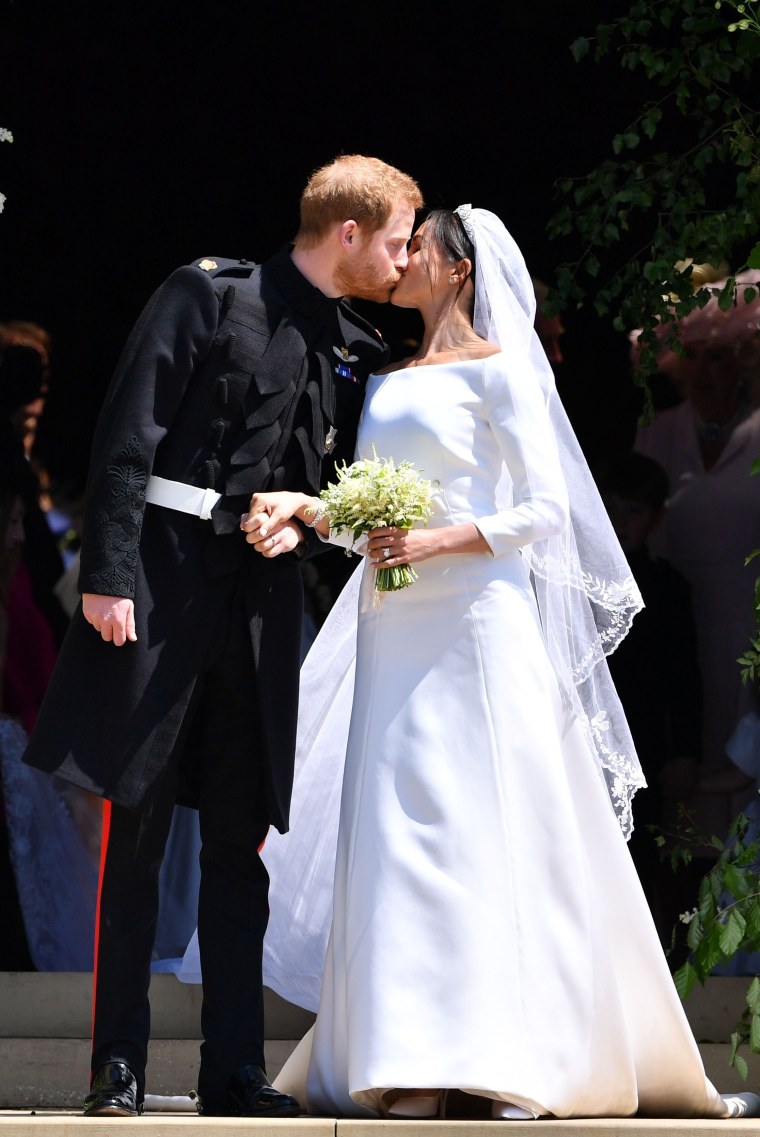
<point>342,368</point>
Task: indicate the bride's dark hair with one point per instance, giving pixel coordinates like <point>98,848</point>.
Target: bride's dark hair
<point>445,230</point>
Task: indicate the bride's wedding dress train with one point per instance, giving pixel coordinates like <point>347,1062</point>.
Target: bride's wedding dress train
<point>487,930</point>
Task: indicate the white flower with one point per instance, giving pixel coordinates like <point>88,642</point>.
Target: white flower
<point>2,202</point>
<point>687,917</point>
<point>375,492</point>
<point>5,135</point>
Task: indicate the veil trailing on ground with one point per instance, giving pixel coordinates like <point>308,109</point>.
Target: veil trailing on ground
<point>586,593</point>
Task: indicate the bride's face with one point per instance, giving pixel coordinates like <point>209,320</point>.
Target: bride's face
<point>426,275</point>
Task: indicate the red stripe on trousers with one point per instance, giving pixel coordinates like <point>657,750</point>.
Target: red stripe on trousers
<point>105,834</point>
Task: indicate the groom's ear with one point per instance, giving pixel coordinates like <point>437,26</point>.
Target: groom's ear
<point>347,233</point>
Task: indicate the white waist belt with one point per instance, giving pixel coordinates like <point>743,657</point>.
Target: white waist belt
<point>178,495</point>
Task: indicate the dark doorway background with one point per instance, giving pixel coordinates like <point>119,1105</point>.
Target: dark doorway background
<point>149,134</point>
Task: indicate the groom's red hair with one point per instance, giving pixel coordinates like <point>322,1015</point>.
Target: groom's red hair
<point>353,188</point>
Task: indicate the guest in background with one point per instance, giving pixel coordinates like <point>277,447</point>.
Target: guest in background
<point>707,446</point>
<point>24,376</point>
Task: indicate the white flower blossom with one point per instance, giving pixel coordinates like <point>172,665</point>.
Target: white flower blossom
<point>377,492</point>
<point>687,917</point>
<point>2,202</point>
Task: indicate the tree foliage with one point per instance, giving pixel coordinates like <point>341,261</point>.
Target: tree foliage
<point>682,184</point>
<point>681,188</point>
<point>724,921</point>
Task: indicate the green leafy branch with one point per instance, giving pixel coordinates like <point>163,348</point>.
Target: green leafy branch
<point>748,17</point>
<point>725,920</point>
<point>750,661</point>
<point>642,219</point>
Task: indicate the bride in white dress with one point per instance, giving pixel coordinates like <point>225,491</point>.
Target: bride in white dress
<point>488,933</point>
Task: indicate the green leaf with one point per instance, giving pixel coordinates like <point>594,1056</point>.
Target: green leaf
<point>732,932</point>
<point>738,881</point>
<point>695,933</point>
<point>740,1062</point>
<point>752,915</point>
<point>579,48</point>
<point>726,295</point>
<point>753,996</point>
<point>707,902</point>
<point>709,952</point>
<point>754,1034</point>
<point>684,979</point>
<point>651,117</point>
<point>753,260</point>
<point>736,1041</point>
<point>735,1059</point>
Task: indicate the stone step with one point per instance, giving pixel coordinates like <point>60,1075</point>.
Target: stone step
<point>58,1004</point>
<point>45,1029</point>
<point>62,1124</point>
<point>45,1024</point>
<point>52,1073</point>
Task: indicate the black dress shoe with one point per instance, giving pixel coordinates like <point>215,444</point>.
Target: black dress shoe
<point>249,1093</point>
<point>113,1092</point>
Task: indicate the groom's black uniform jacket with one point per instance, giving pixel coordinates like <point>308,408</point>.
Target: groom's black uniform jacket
<point>228,381</point>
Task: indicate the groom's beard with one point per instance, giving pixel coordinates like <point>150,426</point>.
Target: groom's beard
<point>366,283</point>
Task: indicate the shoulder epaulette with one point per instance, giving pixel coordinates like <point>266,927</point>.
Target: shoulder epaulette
<point>223,267</point>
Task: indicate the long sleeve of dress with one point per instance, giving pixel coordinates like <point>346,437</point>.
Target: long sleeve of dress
<point>172,336</point>
<point>519,419</point>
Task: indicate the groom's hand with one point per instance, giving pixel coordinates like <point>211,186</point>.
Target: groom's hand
<point>112,616</point>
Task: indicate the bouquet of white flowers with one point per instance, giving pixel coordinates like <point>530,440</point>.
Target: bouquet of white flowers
<point>376,492</point>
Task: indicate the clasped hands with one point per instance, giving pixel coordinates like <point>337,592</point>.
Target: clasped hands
<point>269,524</point>
<point>270,527</point>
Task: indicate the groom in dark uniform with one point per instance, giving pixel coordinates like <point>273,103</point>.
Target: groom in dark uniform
<point>178,679</point>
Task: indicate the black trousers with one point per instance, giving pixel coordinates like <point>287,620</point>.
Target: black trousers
<point>233,906</point>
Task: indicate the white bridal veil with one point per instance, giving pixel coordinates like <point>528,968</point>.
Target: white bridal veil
<point>586,593</point>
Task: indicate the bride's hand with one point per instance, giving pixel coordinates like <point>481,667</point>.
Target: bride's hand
<point>391,546</point>
<point>268,525</point>
<point>268,512</point>
<point>410,546</point>
<point>269,509</point>
<point>273,540</point>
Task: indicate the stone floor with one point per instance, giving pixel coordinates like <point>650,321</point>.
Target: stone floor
<point>44,1061</point>
<point>51,1123</point>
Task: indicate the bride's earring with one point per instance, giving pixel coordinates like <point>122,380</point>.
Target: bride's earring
<point>452,280</point>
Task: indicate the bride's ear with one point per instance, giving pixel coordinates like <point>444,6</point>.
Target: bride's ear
<point>460,273</point>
